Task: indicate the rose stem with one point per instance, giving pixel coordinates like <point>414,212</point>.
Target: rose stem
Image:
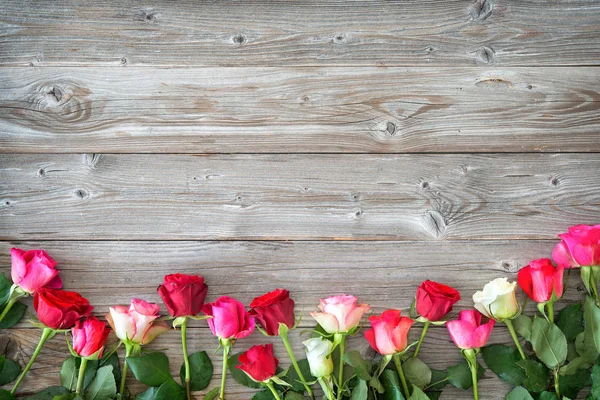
<point>341,371</point>
<point>186,359</point>
<point>7,308</point>
<point>270,386</point>
<point>474,378</point>
<point>511,329</point>
<point>80,379</point>
<point>398,364</point>
<point>423,333</point>
<point>286,342</point>
<point>550,311</point>
<point>556,387</point>
<point>47,333</point>
<point>128,349</point>
<point>226,348</point>
<point>326,388</point>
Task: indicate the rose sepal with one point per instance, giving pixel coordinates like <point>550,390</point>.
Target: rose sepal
<point>39,325</point>
<point>94,356</point>
<point>179,321</point>
<point>425,320</point>
<point>199,317</point>
<point>261,330</point>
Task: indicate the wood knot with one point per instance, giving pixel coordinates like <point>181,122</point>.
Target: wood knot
<point>480,10</point>
<point>41,172</point>
<point>434,224</point>
<point>123,61</point>
<point>56,93</point>
<point>429,49</point>
<point>147,15</point>
<point>424,185</point>
<point>340,38</point>
<point>510,266</point>
<point>92,160</point>
<point>358,213</point>
<point>485,54</point>
<point>554,181</point>
<point>81,194</point>
<point>239,39</point>
<point>391,128</point>
<point>494,83</point>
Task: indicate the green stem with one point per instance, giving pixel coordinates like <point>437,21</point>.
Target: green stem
<point>398,364</point>
<point>511,329</point>
<point>272,389</point>
<point>288,347</point>
<point>550,311</point>
<point>186,359</point>
<point>128,350</point>
<point>471,356</point>
<point>474,378</point>
<point>47,334</point>
<point>326,388</point>
<point>7,307</point>
<point>341,371</point>
<point>80,379</point>
<point>226,348</point>
<point>423,333</point>
<point>556,385</point>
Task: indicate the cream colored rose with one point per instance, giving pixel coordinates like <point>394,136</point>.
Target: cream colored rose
<point>497,300</point>
<point>318,354</point>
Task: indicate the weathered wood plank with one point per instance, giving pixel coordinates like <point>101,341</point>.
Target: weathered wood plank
<point>258,110</point>
<point>344,197</point>
<point>266,33</point>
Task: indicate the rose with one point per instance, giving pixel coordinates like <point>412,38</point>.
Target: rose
<point>183,295</point>
<point>318,354</point>
<point>34,269</point>
<point>60,309</point>
<point>497,300</point>
<point>389,332</point>
<point>136,324</point>
<point>541,280</point>
<point>89,338</point>
<point>229,318</point>
<point>434,300</point>
<point>339,313</point>
<point>468,332</point>
<point>259,362</point>
<point>272,309</point>
<point>579,247</point>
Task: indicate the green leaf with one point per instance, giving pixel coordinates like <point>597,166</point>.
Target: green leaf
<point>201,371</point>
<point>362,368</point>
<point>360,391</point>
<point>537,378</point>
<point>70,371</point>
<point>570,385</point>
<point>103,386</point>
<point>417,394</point>
<point>502,360</point>
<point>239,375</point>
<point>5,285</point>
<point>9,370</point>
<point>547,396</point>
<point>459,375</point>
<point>48,393</point>
<point>438,381</point>
<point>549,343</point>
<point>170,390</point>
<point>519,393</point>
<point>417,372</point>
<point>291,395</point>
<point>148,394</point>
<point>293,379</point>
<point>523,325</point>
<point>112,360</point>
<point>6,395</point>
<point>212,394</point>
<point>151,369</point>
<point>265,395</point>
<point>570,320</point>
<point>391,385</point>
<point>67,396</point>
<point>595,382</point>
<point>574,365</point>
<point>591,333</point>
<point>13,316</point>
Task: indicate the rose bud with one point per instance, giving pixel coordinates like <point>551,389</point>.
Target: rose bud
<point>339,313</point>
<point>259,363</point>
<point>318,354</point>
<point>497,300</point>
<point>389,332</point>
<point>183,295</point>
<point>540,280</point>
<point>579,247</point>
<point>229,319</point>
<point>467,332</point>
<point>434,300</point>
<point>34,269</point>
<point>89,338</point>
<point>60,309</point>
<point>136,324</point>
<point>272,309</point>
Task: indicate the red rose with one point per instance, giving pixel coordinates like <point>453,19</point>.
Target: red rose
<point>273,308</point>
<point>579,247</point>
<point>434,300</point>
<point>389,332</point>
<point>183,295</point>
<point>89,337</point>
<point>540,279</point>
<point>229,319</point>
<point>60,309</point>
<point>259,362</point>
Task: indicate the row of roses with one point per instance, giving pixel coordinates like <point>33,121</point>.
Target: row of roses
<point>34,273</point>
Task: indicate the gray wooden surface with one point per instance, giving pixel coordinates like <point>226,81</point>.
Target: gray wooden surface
<point>139,139</point>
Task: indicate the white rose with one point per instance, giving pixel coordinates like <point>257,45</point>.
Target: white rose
<point>318,354</point>
<point>497,300</point>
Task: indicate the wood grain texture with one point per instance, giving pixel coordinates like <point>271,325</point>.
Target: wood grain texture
<point>266,33</point>
<point>342,197</point>
<point>289,110</point>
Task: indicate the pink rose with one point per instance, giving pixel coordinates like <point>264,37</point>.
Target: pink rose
<point>579,247</point>
<point>468,332</point>
<point>339,313</point>
<point>540,280</point>
<point>230,320</point>
<point>33,270</point>
<point>137,323</point>
<point>89,337</point>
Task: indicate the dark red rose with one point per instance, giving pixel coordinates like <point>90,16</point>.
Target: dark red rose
<point>435,301</point>
<point>273,308</point>
<point>183,295</point>
<point>259,362</point>
<point>60,309</point>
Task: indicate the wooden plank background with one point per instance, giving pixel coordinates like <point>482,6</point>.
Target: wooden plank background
<point>341,147</point>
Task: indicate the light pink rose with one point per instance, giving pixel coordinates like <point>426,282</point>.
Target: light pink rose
<point>339,313</point>
<point>33,270</point>
<point>137,323</point>
<point>468,332</point>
